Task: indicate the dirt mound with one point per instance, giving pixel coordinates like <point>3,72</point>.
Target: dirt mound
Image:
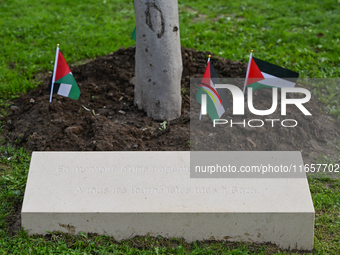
<point>105,117</point>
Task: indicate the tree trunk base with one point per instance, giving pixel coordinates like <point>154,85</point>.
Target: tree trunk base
<point>158,59</point>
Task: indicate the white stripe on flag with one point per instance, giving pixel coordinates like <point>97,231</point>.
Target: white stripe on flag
<point>64,89</point>
<point>273,81</point>
<point>212,84</point>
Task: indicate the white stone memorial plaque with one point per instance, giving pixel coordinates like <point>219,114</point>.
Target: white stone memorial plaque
<point>123,194</point>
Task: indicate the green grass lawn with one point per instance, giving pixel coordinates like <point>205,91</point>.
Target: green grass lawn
<point>300,35</point>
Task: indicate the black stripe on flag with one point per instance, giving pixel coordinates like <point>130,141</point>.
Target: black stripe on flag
<point>213,73</point>
<point>55,87</point>
<point>214,77</point>
<point>276,71</point>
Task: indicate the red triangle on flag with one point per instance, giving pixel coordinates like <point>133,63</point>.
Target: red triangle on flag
<point>62,67</point>
<point>254,74</point>
<point>207,72</point>
<point>206,81</point>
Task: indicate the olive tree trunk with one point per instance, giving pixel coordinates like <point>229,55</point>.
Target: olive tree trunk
<point>158,59</point>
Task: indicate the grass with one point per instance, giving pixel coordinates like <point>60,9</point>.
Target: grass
<point>300,35</point>
<point>326,199</point>
<point>30,31</point>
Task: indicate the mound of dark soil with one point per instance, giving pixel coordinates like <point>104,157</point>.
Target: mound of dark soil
<point>105,117</point>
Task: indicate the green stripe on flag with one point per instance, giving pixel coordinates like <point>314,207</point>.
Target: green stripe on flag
<point>69,79</point>
<point>74,93</point>
<point>211,109</point>
<point>209,95</point>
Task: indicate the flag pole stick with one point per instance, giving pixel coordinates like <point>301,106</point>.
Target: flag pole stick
<point>209,56</point>
<point>54,71</point>
<point>245,81</point>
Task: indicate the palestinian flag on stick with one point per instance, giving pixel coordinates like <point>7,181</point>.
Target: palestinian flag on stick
<point>63,82</point>
<point>261,74</point>
<point>217,101</point>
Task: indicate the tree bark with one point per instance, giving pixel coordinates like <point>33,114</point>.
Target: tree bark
<point>158,59</point>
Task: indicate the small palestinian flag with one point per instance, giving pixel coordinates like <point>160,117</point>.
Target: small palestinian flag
<point>63,82</point>
<point>217,101</point>
<point>261,74</point>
